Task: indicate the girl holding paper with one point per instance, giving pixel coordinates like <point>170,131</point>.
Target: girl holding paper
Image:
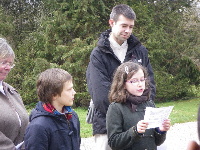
<point>129,97</point>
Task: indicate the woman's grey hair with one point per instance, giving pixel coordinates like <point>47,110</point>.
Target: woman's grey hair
<point>5,49</point>
<point>124,10</point>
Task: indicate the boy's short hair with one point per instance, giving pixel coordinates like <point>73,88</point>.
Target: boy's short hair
<point>50,83</point>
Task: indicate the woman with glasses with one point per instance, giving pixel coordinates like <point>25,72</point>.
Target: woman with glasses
<point>13,115</point>
<point>129,97</point>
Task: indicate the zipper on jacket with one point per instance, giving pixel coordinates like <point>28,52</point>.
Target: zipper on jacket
<point>70,132</point>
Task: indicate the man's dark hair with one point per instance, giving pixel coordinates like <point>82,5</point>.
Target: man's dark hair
<point>124,10</point>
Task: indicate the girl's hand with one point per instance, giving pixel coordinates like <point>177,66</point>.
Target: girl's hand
<point>165,125</point>
<point>142,126</point>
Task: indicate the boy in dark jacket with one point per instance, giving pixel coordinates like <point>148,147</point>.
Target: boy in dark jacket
<point>53,123</point>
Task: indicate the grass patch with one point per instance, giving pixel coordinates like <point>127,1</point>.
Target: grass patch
<point>86,129</point>
<point>183,111</point>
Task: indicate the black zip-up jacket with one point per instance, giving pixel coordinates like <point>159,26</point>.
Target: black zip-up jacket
<point>99,74</point>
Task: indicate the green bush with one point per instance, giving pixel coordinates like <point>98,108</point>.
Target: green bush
<point>170,88</point>
<point>63,33</point>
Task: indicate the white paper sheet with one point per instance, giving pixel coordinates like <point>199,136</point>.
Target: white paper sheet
<point>156,116</point>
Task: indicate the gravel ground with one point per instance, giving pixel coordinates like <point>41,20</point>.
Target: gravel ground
<point>177,137</point>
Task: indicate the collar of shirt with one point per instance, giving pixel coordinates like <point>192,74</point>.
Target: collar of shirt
<point>119,50</point>
<point>114,44</point>
<point>1,88</point>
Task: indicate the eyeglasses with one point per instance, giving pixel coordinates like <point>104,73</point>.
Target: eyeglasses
<point>135,81</point>
<point>5,64</point>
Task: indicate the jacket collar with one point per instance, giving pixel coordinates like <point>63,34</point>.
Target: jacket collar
<point>104,43</point>
<point>7,88</point>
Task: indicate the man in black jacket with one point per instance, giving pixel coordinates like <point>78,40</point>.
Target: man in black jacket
<point>115,46</point>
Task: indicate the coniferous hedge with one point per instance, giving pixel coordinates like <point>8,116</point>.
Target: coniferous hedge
<point>63,33</point>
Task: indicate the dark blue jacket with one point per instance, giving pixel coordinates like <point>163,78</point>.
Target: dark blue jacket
<point>102,65</point>
<point>48,131</point>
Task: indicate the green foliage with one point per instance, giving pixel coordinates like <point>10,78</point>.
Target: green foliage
<point>75,62</point>
<point>25,14</point>
<point>6,25</point>
<point>171,88</point>
<point>164,31</point>
<point>62,33</point>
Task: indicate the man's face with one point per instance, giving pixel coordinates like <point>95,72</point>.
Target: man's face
<point>122,29</point>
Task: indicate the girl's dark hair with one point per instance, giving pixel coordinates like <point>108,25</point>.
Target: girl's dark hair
<point>124,72</point>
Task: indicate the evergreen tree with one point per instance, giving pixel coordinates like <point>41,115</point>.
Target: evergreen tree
<point>62,33</point>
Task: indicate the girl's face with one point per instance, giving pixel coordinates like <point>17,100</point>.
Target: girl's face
<point>136,85</point>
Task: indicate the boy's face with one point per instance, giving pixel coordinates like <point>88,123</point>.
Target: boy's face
<point>121,29</point>
<point>66,98</point>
